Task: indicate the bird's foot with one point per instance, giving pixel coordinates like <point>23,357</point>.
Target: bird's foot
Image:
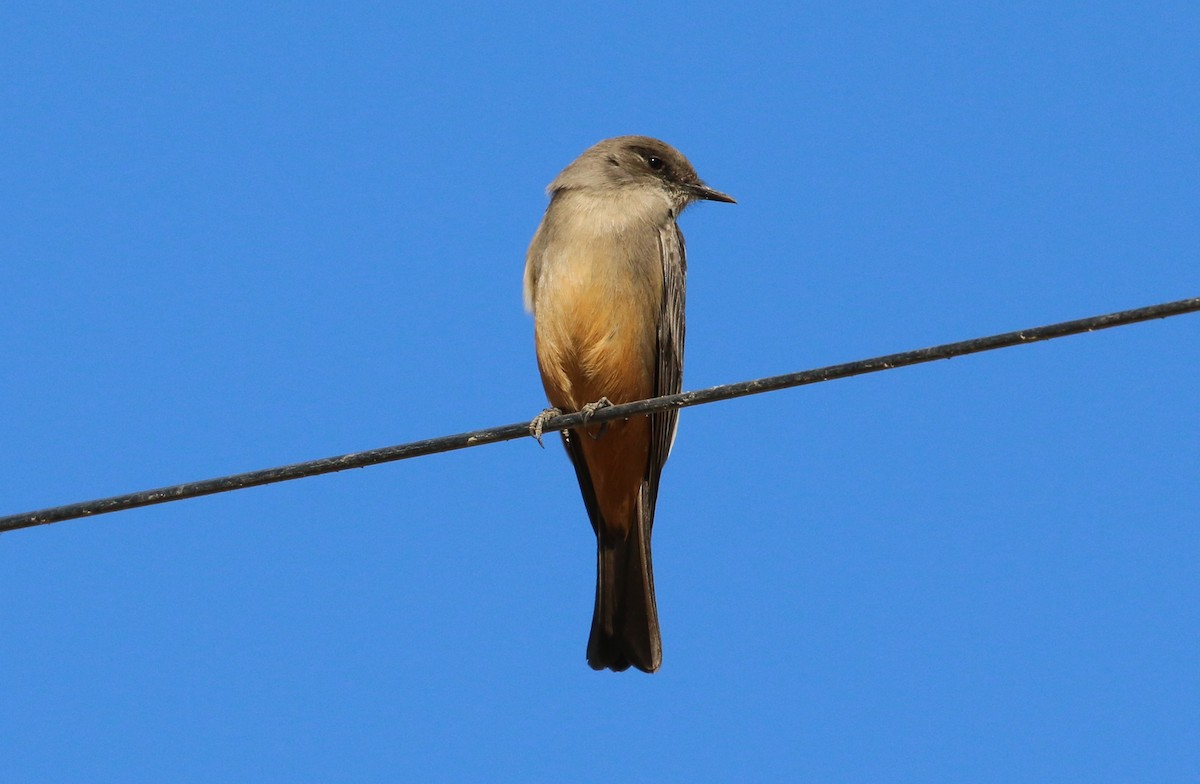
<point>590,409</point>
<point>539,422</point>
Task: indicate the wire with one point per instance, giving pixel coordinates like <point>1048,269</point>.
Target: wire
<point>431,446</point>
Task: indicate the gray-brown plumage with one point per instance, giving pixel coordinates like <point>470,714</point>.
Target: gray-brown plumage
<point>604,279</point>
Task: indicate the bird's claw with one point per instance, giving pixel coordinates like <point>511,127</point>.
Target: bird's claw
<point>590,409</point>
<point>539,422</point>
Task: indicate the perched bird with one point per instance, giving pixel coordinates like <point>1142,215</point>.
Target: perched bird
<point>604,279</point>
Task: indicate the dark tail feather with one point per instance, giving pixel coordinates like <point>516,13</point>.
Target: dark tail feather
<point>625,622</point>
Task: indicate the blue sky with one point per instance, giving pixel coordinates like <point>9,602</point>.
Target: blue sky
<point>241,235</point>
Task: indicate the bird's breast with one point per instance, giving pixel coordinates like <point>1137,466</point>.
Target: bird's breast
<point>596,314</point>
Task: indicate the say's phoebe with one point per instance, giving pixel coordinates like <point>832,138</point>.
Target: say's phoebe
<point>604,279</point>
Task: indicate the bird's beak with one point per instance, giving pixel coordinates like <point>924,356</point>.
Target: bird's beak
<point>708,194</point>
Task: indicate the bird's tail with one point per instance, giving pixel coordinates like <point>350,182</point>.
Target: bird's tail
<point>625,622</point>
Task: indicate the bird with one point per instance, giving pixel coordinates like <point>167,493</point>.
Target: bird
<point>604,279</point>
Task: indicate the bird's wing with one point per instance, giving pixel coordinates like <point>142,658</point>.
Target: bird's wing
<point>668,370</point>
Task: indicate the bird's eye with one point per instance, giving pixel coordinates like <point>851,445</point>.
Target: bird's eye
<point>655,162</point>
